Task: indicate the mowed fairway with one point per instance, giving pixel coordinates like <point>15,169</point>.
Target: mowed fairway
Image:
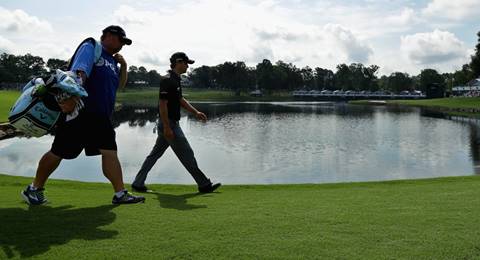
<point>7,99</point>
<point>421,219</point>
<point>451,103</point>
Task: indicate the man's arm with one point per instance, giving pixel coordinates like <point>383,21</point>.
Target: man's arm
<point>123,71</point>
<point>82,65</point>
<point>68,105</point>
<point>186,105</point>
<point>167,130</point>
<point>165,88</point>
<point>163,111</point>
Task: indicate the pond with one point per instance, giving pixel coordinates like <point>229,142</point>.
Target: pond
<point>279,143</point>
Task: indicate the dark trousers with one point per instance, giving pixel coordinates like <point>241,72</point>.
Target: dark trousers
<point>182,149</point>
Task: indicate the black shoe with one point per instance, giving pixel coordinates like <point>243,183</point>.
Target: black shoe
<point>139,188</point>
<point>209,188</point>
<point>127,198</point>
<point>34,197</point>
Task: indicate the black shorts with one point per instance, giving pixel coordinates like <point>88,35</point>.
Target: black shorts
<point>88,131</point>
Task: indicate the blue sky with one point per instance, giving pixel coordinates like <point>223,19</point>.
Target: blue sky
<point>405,36</point>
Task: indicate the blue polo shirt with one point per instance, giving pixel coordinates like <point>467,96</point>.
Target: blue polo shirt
<point>102,79</point>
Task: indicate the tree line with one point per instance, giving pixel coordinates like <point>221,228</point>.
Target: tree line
<point>267,76</point>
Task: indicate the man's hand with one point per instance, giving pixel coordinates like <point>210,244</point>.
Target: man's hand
<point>119,58</point>
<point>123,71</point>
<point>68,105</point>
<point>168,133</point>
<point>201,116</point>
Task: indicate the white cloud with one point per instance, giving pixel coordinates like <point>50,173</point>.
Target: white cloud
<point>211,33</point>
<point>256,53</point>
<point>216,32</point>
<point>356,49</point>
<point>53,50</point>
<point>455,10</point>
<point>433,48</point>
<point>406,17</point>
<point>369,20</point>
<point>152,59</point>
<point>313,33</point>
<point>278,33</point>
<point>18,21</point>
<point>6,45</point>
<point>128,15</point>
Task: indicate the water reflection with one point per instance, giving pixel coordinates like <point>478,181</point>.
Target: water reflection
<point>289,142</point>
<point>140,115</point>
<point>475,137</point>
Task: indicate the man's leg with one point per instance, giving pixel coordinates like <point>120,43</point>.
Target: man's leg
<point>47,164</point>
<point>111,169</point>
<point>185,154</point>
<point>100,139</point>
<point>33,194</point>
<point>160,147</point>
<point>63,147</point>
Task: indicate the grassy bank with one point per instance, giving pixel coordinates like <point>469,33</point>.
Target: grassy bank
<point>150,96</point>
<point>421,219</point>
<point>454,106</point>
<point>7,99</point>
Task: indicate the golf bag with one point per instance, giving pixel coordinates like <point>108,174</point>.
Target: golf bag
<point>36,112</point>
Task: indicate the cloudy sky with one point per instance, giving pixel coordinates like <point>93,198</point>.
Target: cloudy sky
<point>397,35</point>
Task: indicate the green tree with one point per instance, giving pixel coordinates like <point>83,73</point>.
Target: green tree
<point>233,76</point>
<point>370,78</point>
<point>287,76</point>
<point>132,75</point>
<point>399,81</point>
<point>383,83</point>
<point>475,62</point>
<point>29,66</point>
<point>54,64</point>
<point>264,75</point>
<point>448,77</point>
<point>358,80</point>
<point>324,79</point>
<point>203,77</point>
<point>308,77</point>
<point>154,78</point>
<point>142,74</point>
<point>8,67</point>
<point>463,76</point>
<point>252,78</point>
<point>431,76</point>
<point>343,77</point>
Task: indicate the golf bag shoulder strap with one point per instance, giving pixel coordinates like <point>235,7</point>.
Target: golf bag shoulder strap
<point>97,51</point>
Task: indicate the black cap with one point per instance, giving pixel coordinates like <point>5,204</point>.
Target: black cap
<point>115,29</point>
<point>180,56</point>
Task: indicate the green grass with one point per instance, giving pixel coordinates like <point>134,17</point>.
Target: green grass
<point>7,99</point>
<point>451,103</point>
<point>150,96</point>
<point>454,106</point>
<point>421,219</point>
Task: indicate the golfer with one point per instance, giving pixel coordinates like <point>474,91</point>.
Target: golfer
<point>169,131</point>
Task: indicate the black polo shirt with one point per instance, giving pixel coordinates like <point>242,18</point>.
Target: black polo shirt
<point>171,90</point>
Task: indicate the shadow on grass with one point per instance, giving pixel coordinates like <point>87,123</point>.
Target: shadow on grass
<point>33,231</point>
<point>178,202</point>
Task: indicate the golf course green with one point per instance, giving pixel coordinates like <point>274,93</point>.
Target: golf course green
<point>420,219</point>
